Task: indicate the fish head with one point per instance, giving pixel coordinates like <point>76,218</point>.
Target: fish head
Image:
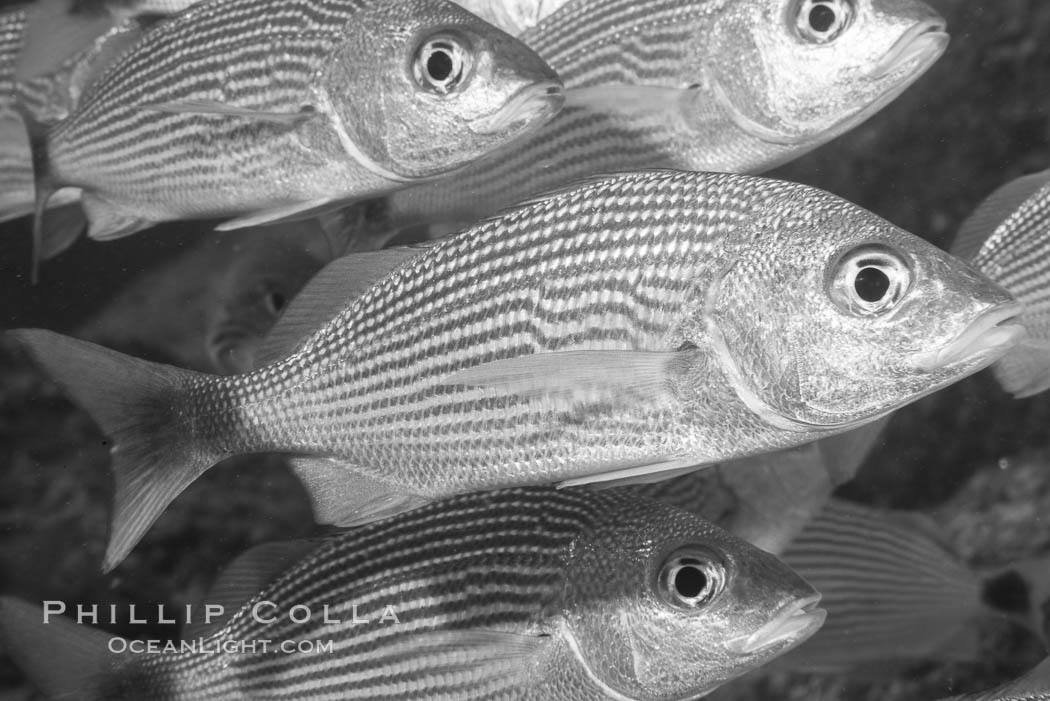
<point>445,89</point>
<point>826,316</point>
<point>662,604</point>
<point>799,72</point>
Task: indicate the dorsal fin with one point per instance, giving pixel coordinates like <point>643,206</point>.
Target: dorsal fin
<point>327,294</point>
<point>993,211</point>
<point>245,577</point>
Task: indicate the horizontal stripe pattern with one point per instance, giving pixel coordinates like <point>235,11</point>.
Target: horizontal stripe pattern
<point>891,588</point>
<point>655,44</point>
<point>257,54</point>
<point>614,265</point>
<point>492,561</point>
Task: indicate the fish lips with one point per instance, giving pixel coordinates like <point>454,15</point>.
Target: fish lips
<point>793,623</point>
<point>923,44</point>
<point>988,338</point>
<point>536,103</point>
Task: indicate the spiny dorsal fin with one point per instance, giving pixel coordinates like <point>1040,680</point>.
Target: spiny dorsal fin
<point>993,211</point>
<point>326,295</point>
<point>245,577</point>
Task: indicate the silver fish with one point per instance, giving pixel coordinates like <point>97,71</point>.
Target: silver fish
<point>50,91</point>
<point>700,85</point>
<point>313,102</point>
<point>1033,686</point>
<point>1008,239</point>
<point>635,324</point>
<point>897,592</point>
<point>518,594</point>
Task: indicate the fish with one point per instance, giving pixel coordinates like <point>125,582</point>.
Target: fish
<point>697,85</point>
<point>532,593</point>
<point>631,325</point>
<point>1033,686</point>
<point>1008,239</point>
<point>897,592</point>
<point>314,105</point>
<point>58,74</point>
<point>512,16</point>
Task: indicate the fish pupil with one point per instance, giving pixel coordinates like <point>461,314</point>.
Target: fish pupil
<point>690,582</point>
<point>277,301</point>
<point>439,66</point>
<point>871,284</point>
<point>821,18</point>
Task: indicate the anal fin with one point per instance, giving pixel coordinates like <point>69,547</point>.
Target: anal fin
<point>343,496</point>
<point>107,222</point>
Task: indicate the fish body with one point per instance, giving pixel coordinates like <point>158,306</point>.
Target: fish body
<point>631,325</point>
<point>518,594</point>
<point>1008,239</point>
<point>700,85</point>
<point>49,93</point>
<point>280,107</point>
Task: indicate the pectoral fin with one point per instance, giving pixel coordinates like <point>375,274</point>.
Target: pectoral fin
<point>569,378</point>
<point>290,119</point>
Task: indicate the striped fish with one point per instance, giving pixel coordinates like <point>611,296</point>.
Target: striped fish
<point>274,108</point>
<point>1008,239</point>
<point>61,53</point>
<point>519,594</point>
<point>1033,686</point>
<point>895,591</point>
<point>631,325</point>
<point>697,84</point>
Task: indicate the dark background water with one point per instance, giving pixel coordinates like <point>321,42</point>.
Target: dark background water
<point>978,119</point>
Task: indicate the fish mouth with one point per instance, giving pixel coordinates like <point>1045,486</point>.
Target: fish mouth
<point>922,44</point>
<point>988,338</point>
<point>534,104</point>
<point>794,622</point>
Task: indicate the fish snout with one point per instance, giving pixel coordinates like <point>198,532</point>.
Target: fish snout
<point>534,104</point>
<point>922,44</point>
<point>792,623</point>
<point>989,337</point>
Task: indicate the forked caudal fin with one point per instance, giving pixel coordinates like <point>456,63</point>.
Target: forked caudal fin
<point>65,660</point>
<point>140,406</point>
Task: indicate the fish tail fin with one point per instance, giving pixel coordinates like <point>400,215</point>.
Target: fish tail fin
<point>143,408</point>
<point>64,659</point>
<point>44,185</point>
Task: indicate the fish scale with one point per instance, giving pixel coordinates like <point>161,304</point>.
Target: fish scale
<point>197,57</point>
<point>704,85</point>
<point>428,310</point>
<point>427,564</point>
<point>605,328</point>
<point>491,595</point>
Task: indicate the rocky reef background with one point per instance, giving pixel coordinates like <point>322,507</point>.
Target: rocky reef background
<point>974,457</point>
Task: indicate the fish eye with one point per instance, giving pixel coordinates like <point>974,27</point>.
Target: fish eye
<point>822,21</point>
<point>442,63</point>
<point>870,280</point>
<point>690,579</point>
